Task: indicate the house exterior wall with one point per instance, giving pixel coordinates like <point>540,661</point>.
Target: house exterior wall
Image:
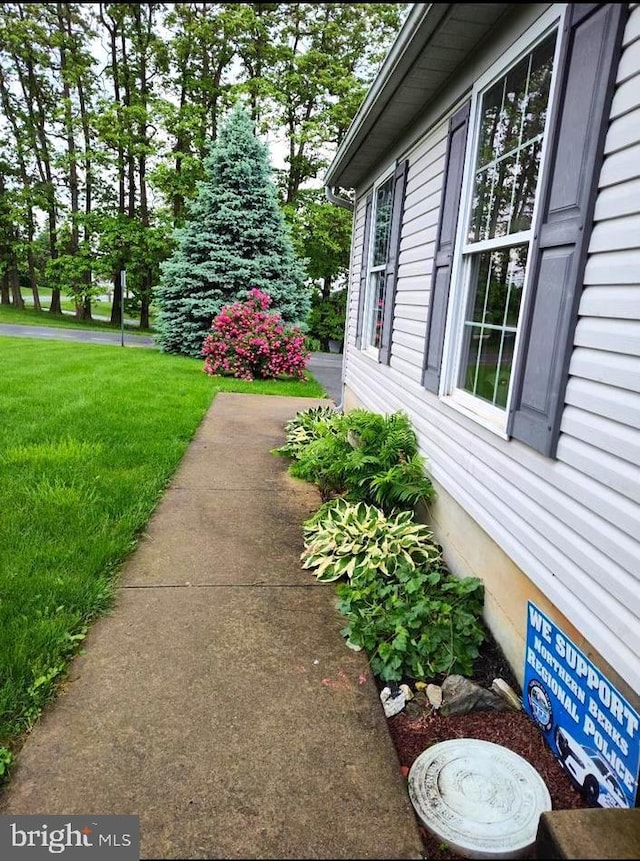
<point>567,527</point>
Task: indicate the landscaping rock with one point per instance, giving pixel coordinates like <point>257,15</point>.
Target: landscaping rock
<point>504,690</point>
<point>418,707</point>
<point>408,693</point>
<point>434,695</point>
<point>460,696</point>
<point>392,701</point>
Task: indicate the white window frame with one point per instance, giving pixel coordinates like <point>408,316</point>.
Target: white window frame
<point>486,414</point>
<point>367,315</point>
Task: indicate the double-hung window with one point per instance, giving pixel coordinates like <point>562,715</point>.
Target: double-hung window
<point>377,264</point>
<point>518,196</point>
<point>500,195</point>
<point>379,269</point>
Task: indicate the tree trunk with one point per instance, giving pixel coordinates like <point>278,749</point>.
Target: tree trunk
<point>143,37</point>
<point>56,302</point>
<point>33,281</point>
<point>88,191</point>
<point>5,295</point>
<point>130,156</point>
<point>84,312</point>
<point>116,304</point>
<point>177,203</point>
<point>116,307</point>
<point>34,98</point>
<point>64,29</point>
<point>145,304</point>
<point>14,285</point>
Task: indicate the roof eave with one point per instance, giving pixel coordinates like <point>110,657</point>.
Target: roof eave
<point>393,68</point>
<point>386,108</point>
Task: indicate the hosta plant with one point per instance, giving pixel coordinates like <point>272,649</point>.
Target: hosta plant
<point>351,539</point>
<point>418,623</point>
<point>305,427</point>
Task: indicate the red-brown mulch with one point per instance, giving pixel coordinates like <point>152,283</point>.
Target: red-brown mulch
<point>512,729</point>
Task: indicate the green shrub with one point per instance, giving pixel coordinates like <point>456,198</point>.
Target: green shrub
<point>327,317</point>
<point>364,456</point>
<point>346,539</point>
<point>304,428</point>
<point>417,623</point>
<point>312,344</point>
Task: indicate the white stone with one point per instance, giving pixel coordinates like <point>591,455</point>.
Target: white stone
<point>408,693</point>
<point>392,705</point>
<point>434,695</point>
<point>480,798</point>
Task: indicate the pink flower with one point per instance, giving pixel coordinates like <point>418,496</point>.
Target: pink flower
<point>248,341</point>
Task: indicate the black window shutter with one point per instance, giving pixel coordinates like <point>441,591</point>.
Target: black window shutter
<point>441,277</point>
<point>590,49</point>
<point>363,269</point>
<point>391,272</point>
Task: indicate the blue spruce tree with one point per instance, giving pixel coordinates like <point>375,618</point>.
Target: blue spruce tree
<point>235,238</point>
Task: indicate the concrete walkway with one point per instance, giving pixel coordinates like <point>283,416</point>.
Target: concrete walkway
<point>219,701</point>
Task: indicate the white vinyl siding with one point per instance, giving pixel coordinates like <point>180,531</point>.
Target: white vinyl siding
<point>356,268</point>
<point>570,523</point>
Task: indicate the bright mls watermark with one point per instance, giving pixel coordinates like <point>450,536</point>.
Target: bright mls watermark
<point>105,838</point>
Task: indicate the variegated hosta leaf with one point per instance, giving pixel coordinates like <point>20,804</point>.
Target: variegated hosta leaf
<point>351,538</point>
<point>329,576</point>
<point>328,570</point>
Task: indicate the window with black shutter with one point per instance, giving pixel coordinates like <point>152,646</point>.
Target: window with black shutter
<point>378,278</point>
<point>523,204</point>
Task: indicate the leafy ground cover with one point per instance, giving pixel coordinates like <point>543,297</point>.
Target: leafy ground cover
<point>89,438</point>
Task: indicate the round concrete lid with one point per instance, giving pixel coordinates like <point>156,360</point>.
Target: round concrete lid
<point>480,798</point>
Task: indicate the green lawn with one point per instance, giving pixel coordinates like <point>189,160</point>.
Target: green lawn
<point>45,300</point>
<point>100,306</point>
<point>89,438</point>
<point>31,317</point>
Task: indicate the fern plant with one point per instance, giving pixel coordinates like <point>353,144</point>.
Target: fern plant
<point>363,456</point>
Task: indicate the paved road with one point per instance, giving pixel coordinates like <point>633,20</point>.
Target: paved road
<point>325,367</point>
<point>86,336</point>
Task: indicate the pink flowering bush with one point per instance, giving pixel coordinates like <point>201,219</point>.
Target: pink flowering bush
<point>248,342</point>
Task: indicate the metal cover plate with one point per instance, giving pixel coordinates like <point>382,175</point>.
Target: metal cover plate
<point>480,798</point>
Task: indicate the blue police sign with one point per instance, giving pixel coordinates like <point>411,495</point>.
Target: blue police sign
<point>587,723</point>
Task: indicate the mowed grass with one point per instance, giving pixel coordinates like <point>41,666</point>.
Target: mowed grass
<point>31,317</point>
<point>45,300</point>
<point>89,438</point>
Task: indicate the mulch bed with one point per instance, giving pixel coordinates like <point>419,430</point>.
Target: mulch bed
<point>512,729</point>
